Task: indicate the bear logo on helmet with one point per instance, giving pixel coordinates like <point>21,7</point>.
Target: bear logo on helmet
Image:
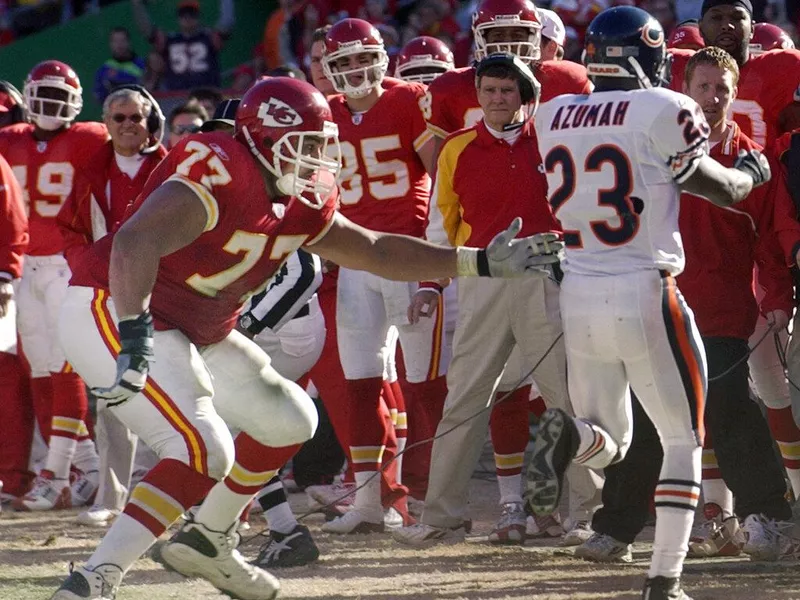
<point>276,113</point>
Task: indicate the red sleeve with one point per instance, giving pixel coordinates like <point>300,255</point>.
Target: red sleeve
<point>75,221</point>
<point>13,223</point>
<point>785,224</point>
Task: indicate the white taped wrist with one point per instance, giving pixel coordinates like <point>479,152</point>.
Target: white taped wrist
<point>467,261</point>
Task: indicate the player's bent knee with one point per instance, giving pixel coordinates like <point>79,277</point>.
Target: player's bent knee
<point>295,420</point>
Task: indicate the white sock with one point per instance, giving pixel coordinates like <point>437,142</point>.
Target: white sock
<point>59,456</point>
<point>673,527</point>
<point>794,480</point>
<point>281,518</point>
<point>86,457</point>
<point>715,490</point>
<point>222,507</point>
<point>401,446</point>
<point>510,488</point>
<point>368,498</point>
<point>123,544</point>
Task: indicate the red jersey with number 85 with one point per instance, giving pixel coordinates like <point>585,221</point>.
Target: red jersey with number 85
<point>248,236</point>
<point>45,172</point>
<point>768,83</point>
<point>383,184</point>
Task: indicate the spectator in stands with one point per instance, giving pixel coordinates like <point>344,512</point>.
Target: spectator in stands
<point>272,48</point>
<point>208,98</point>
<point>190,55</point>
<point>185,120</point>
<point>431,18</point>
<point>124,66</point>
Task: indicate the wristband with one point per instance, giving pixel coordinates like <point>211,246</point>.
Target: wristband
<point>430,285</point>
<point>472,262</point>
<point>136,334</point>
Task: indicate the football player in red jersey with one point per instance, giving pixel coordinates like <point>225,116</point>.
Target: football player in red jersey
<point>768,97</point>
<point>384,186</point>
<point>157,303</point>
<point>423,59</point>
<point>44,156</point>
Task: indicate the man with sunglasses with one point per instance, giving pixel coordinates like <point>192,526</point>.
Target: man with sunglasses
<point>185,120</point>
<point>101,196</point>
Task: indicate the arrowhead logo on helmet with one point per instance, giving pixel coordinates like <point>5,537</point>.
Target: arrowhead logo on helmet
<point>276,113</point>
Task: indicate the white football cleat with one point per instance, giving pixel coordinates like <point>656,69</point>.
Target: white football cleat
<point>97,516</point>
<point>196,551</point>
<point>100,583</point>
<point>420,535</point>
<point>355,521</point>
<point>47,493</point>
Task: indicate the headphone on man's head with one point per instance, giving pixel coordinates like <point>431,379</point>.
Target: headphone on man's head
<point>156,122</point>
<point>529,86</point>
<point>19,113</point>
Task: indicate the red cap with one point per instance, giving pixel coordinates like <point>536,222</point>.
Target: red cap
<point>189,5</point>
<point>687,37</point>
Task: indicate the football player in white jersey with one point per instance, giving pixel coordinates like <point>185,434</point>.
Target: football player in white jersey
<point>616,161</point>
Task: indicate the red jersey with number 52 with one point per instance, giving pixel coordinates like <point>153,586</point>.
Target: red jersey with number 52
<point>384,185</point>
<point>201,287</point>
<point>768,83</point>
<point>45,172</point>
<point>452,100</point>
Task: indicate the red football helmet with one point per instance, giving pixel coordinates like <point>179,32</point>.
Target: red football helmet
<point>53,94</point>
<point>766,37</point>
<point>288,126</point>
<point>350,38</point>
<point>508,14</point>
<point>423,59</point>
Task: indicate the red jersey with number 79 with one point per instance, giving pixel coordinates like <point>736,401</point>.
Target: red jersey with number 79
<point>200,288</point>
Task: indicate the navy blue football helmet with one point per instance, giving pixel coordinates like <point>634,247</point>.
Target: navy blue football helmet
<point>626,49</point>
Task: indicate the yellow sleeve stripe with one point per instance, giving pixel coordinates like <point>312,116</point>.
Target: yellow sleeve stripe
<point>205,197</point>
<point>447,200</point>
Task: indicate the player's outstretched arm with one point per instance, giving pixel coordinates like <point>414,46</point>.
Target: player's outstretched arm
<point>169,219</point>
<point>726,186</point>
<point>404,258</point>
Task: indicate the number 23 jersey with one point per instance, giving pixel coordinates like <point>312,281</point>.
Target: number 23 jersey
<point>200,288</point>
<point>612,161</point>
<point>384,185</point>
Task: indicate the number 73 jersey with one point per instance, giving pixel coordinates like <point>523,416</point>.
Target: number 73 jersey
<point>200,288</point>
<point>383,184</point>
<point>613,160</point>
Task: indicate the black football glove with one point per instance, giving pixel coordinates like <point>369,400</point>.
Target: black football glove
<point>755,164</point>
<point>136,341</point>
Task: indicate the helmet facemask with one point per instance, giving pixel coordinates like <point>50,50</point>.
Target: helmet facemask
<point>528,50</point>
<point>51,103</point>
<point>372,73</point>
<point>303,162</point>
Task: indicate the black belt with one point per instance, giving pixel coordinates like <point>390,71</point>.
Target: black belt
<point>303,312</point>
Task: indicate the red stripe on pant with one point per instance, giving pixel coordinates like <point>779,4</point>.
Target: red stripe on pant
<point>16,415</point>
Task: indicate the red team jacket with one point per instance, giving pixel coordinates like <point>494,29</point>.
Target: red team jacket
<point>452,101</point>
<point>767,84</point>
<point>384,185</point>
<point>722,245</point>
<point>102,188</point>
<point>200,288</point>
<point>46,171</point>
<point>13,223</point>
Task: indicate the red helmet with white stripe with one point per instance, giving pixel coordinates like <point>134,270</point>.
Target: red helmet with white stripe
<point>354,58</point>
<point>423,59</point>
<point>518,29</point>
<point>53,94</point>
<point>288,126</point>
<point>766,37</point>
